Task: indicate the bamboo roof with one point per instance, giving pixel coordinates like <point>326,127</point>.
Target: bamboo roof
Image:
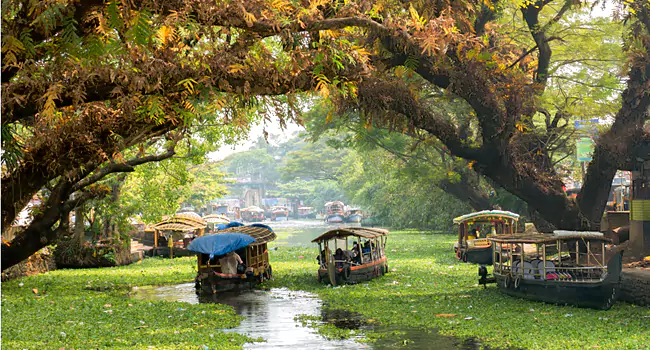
<point>180,222</point>
<point>216,219</point>
<point>547,237</point>
<point>487,215</point>
<point>364,232</point>
<point>261,234</point>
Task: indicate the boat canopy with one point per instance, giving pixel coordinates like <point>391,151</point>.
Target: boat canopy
<point>547,238</point>
<point>486,216</point>
<point>216,219</point>
<point>254,209</point>
<point>351,231</point>
<point>329,204</point>
<point>261,233</point>
<point>216,245</point>
<point>180,222</point>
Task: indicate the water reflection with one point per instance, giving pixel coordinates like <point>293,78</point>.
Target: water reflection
<point>269,315</point>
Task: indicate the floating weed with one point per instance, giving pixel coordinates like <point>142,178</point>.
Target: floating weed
<point>91,310</point>
<point>428,279</point>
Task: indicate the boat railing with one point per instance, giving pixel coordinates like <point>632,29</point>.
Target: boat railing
<point>580,274</point>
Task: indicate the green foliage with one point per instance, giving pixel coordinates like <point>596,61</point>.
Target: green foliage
<point>426,280</point>
<point>90,308</point>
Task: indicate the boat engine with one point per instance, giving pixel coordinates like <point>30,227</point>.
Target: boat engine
<point>484,278</point>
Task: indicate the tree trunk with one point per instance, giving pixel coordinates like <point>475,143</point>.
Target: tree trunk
<point>79,227</point>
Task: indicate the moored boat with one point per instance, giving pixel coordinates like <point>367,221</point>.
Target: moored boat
<point>306,213</point>
<point>279,213</point>
<point>252,214</point>
<point>335,213</point>
<point>351,255</point>
<point>471,247</point>
<point>565,267</point>
<point>353,215</point>
<point>215,273</point>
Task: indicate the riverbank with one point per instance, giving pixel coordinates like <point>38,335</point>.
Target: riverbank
<point>91,309</point>
<point>429,289</point>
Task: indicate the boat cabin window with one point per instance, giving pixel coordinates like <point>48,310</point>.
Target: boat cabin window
<point>563,260</point>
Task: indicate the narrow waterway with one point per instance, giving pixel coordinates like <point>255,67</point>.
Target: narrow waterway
<point>271,315</point>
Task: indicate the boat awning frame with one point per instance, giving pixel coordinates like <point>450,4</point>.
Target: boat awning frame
<point>363,232</point>
<point>487,216</point>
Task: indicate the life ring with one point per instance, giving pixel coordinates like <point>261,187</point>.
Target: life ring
<point>508,281</point>
<point>517,282</point>
<point>458,254</point>
<point>347,271</point>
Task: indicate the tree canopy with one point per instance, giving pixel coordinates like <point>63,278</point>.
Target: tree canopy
<point>86,84</point>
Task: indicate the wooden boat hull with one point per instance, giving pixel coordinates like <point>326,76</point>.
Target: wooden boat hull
<point>212,283</point>
<point>596,295</point>
<point>356,274</point>
<point>482,255</point>
<point>355,218</point>
<point>335,218</point>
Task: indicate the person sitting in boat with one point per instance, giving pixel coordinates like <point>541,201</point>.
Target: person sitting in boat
<point>339,257</point>
<point>229,263</point>
<point>473,234</point>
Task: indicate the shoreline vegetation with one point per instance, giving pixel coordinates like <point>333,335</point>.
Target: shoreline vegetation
<point>427,290</point>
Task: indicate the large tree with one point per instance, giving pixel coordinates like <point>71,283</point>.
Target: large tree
<point>84,80</point>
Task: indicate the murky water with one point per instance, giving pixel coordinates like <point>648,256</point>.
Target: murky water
<point>271,314</point>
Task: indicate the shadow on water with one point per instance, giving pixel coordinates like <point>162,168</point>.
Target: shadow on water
<point>271,315</point>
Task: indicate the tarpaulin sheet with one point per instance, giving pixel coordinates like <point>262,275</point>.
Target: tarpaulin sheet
<point>220,244</point>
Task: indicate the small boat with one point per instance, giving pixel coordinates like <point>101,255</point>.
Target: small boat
<point>335,213</point>
<point>566,267</point>
<point>351,255</point>
<point>472,248</point>
<point>353,215</point>
<point>249,242</point>
<point>171,236</point>
<point>306,213</point>
<point>279,213</point>
<point>252,214</point>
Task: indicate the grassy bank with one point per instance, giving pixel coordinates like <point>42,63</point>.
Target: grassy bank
<point>430,289</point>
<point>91,309</point>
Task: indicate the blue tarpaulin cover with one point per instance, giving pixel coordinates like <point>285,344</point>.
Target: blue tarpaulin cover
<point>228,225</point>
<point>220,244</point>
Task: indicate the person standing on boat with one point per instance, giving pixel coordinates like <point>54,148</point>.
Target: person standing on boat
<point>229,263</point>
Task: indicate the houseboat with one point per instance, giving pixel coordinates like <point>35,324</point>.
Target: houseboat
<point>335,213</point>
<point>171,236</point>
<point>306,213</point>
<point>566,267</point>
<point>353,215</point>
<point>351,255</point>
<point>475,228</point>
<point>279,213</point>
<point>217,273</point>
<point>252,214</point>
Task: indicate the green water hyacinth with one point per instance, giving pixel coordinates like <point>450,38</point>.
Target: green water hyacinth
<point>429,289</point>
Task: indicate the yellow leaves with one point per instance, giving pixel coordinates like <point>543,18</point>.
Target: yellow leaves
<point>323,85</point>
<point>188,84</point>
<point>283,6</point>
<point>11,46</point>
<point>49,107</point>
<point>521,127</point>
<point>328,34</point>
<point>249,18</point>
<point>315,3</point>
<point>418,21</point>
<point>471,164</point>
<point>166,34</point>
<point>236,68</point>
<point>189,106</point>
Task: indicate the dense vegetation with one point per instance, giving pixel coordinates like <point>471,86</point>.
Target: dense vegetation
<point>427,289</point>
<point>93,89</point>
